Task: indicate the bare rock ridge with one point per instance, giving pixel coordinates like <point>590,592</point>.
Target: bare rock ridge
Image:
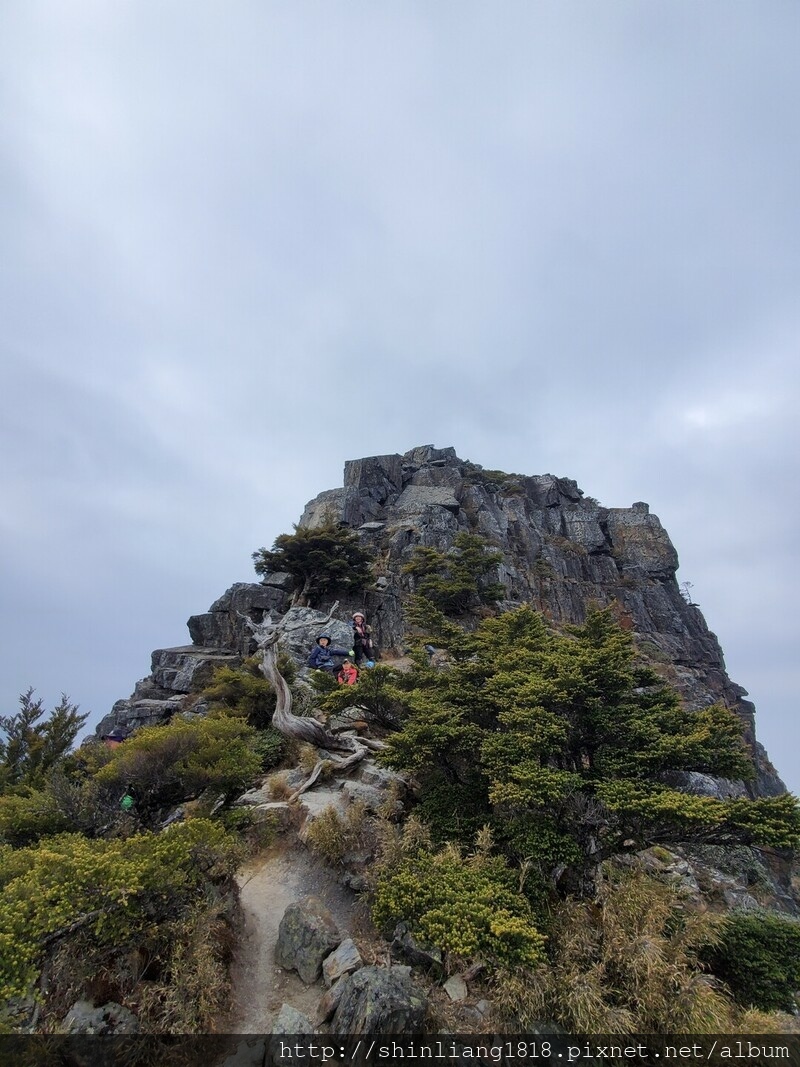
<point>561,550</point>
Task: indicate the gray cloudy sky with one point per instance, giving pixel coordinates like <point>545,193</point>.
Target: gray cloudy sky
<point>246,241</point>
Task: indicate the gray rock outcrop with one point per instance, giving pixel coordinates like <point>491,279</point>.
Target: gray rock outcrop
<point>306,935</point>
<point>381,1000</point>
<point>343,960</point>
<point>84,1018</point>
<point>291,1021</point>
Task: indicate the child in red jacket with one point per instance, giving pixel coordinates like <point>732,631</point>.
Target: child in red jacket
<point>348,674</point>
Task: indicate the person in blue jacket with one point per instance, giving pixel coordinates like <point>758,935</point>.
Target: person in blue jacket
<point>322,654</point>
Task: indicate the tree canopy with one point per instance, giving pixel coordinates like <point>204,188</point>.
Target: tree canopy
<point>458,579</point>
<point>33,743</point>
<point>322,560</point>
<point>561,741</point>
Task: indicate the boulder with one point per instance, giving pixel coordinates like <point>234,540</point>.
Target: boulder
<point>84,1018</point>
<point>348,506</point>
<point>291,1021</point>
<point>330,1001</point>
<point>223,625</point>
<point>187,669</point>
<point>302,626</point>
<point>381,1000</point>
<point>343,960</point>
<point>381,777</point>
<point>640,544</point>
<point>257,795</point>
<point>276,812</point>
<point>130,715</point>
<point>369,795</point>
<point>456,988</point>
<point>405,946</point>
<point>380,475</point>
<point>704,785</point>
<point>415,499</point>
<point>423,454</point>
<point>315,802</point>
<point>306,935</point>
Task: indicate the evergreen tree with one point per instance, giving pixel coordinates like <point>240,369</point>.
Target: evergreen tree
<point>33,744</point>
<point>323,560</point>
<point>560,741</point>
<point>457,580</point>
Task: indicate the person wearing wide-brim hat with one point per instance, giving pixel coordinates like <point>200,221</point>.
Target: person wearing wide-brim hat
<point>321,657</point>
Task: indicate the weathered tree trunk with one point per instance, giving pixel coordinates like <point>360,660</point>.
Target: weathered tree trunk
<point>297,726</point>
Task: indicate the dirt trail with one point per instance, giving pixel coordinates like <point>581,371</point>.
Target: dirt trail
<point>268,885</point>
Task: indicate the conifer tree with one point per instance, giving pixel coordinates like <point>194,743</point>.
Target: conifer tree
<point>459,579</point>
<point>322,560</point>
<point>560,742</point>
<point>33,744</point>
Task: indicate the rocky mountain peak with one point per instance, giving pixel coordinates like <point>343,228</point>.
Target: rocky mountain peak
<point>560,551</point>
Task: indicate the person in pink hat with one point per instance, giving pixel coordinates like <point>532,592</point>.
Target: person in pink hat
<point>363,647</point>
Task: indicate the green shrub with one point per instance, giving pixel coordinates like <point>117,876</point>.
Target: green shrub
<point>26,817</point>
<point>458,579</point>
<point>375,693</point>
<point>246,691</point>
<point>626,962</point>
<point>166,764</point>
<point>454,810</point>
<point>540,729</point>
<point>270,746</point>
<point>492,480</point>
<point>194,987</point>
<point>243,690</point>
<point>116,890</point>
<point>332,835</point>
<point>464,906</point>
<point>758,958</point>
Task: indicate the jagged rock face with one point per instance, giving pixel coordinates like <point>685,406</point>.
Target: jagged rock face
<point>561,550</point>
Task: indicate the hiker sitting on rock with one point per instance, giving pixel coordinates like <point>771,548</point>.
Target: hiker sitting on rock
<point>348,675</point>
<point>322,654</point>
<point>362,639</point>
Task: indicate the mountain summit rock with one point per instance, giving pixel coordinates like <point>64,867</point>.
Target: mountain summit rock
<point>559,551</point>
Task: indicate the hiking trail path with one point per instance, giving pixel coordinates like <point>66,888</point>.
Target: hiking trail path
<point>268,883</point>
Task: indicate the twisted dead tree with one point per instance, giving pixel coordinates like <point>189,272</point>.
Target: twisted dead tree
<point>299,727</point>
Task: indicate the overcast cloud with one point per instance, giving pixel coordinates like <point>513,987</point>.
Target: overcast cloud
<point>245,242</point>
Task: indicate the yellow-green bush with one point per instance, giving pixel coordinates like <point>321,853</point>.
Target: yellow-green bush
<point>629,961</point>
<point>332,835</point>
<point>246,691</point>
<point>166,764</point>
<point>194,987</point>
<point>26,817</point>
<point>115,890</point>
<point>464,906</point>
